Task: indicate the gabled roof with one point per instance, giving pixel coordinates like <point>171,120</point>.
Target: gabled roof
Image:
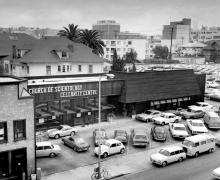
<point>44,51</point>
<point>20,40</point>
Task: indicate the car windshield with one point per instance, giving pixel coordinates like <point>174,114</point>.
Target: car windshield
<point>140,137</point>
<point>197,124</point>
<point>59,128</point>
<point>159,130</point>
<point>79,140</point>
<point>188,143</point>
<point>179,128</point>
<point>162,115</point>
<point>164,152</point>
<point>148,112</point>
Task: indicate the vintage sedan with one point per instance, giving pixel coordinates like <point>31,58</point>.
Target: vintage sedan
<point>46,148</point>
<point>99,136</point>
<point>192,113</point>
<point>111,146</point>
<point>168,155</point>
<point>196,126</point>
<point>62,130</point>
<point>121,135</point>
<point>216,173</point>
<point>139,137</point>
<point>166,118</point>
<point>178,130</point>
<point>159,133</point>
<point>76,142</point>
<point>147,115</point>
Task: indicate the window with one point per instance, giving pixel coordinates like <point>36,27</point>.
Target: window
<point>6,68</point>
<point>113,145</point>
<point>67,68</point>
<point>63,68</point>
<point>59,68</point>
<point>28,70</point>
<point>129,42</point>
<point>39,148</point>
<point>90,68</point>
<point>19,130</point>
<point>70,67</point>
<point>64,54</point>
<point>107,49</point>
<point>79,68</point>
<point>203,142</point>
<point>47,147</point>
<point>3,132</point>
<point>48,70</point>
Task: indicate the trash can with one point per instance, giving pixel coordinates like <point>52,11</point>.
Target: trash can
<point>33,176</point>
<point>38,173</point>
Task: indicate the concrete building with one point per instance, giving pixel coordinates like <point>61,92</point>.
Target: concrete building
<point>17,133</point>
<point>180,31</point>
<point>151,43</point>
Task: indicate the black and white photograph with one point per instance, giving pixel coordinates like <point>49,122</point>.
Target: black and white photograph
<point>109,90</point>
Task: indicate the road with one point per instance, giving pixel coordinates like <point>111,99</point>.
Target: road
<point>191,169</point>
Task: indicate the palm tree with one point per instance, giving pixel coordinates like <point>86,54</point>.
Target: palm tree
<point>71,32</point>
<point>91,38</point>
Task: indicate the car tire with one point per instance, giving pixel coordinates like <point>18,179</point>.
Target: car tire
<point>72,133</point>
<point>105,155</point>
<point>122,151</point>
<point>163,123</point>
<point>211,150</point>
<point>164,164</point>
<point>57,136</point>
<point>196,154</point>
<point>52,155</point>
<point>180,159</point>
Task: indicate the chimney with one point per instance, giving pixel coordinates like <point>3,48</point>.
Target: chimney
<point>14,53</point>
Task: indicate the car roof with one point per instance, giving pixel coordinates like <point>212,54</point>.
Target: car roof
<point>44,143</point>
<point>172,148</point>
<point>199,137</point>
<point>169,114</point>
<point>178,125</point>
<point>111,141</point>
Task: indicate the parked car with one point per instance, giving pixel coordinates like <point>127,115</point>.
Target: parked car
<point>168,155</point>
<point>212,84</point>
<point>217,139</point>
<point>196,126</point>
<point>62,130</point>
<point>166,118</point>
<point>177,111</point>
<point>121,135</point>
<point>147,115</point>
<point>111,146</point>
<point>159,133</point>
<point>212,120</point>
<point>178,130</point>
<point>216,173</point>
<point>76,142</point>
<point>203,105</point>
<point>99,135</point>
<point>192,114</point>
<point>139,137</point>
<point>46,148</point>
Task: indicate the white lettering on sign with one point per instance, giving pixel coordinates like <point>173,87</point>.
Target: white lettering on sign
<point>65,91</point>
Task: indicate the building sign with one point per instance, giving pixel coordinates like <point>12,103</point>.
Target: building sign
<point>64,91</point>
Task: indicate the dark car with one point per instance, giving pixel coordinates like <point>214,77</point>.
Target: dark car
<point>159,133</point>
<point>99,135</point>
<point>121,135</point>
<point>139,137</point>
<point>77,143</point>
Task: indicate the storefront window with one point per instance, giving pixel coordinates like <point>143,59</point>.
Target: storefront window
<point>3,132</point>
<point>19,130</point>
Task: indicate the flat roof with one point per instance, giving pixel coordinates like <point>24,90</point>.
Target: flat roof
<point>8,79</point>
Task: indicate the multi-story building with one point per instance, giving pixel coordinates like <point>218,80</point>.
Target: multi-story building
<point>122,42</point>
<point>180,32</point>
<point>206,34</point>
<point>17,133</point>
<point>152,42</point>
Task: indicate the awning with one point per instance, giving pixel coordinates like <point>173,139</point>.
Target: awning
<point>151,103</point>
<point>174,100</point>
<point>56,113</point>
<point>163,102</point>
<point>156,102</point>
<point>92,108</point>
<point>42,113</point>
<point>185,98</point>
<point>180,99</point>
<point>169,101</point>
<point>105,107</point>
<point>69,111</point>
<point>82,109</point>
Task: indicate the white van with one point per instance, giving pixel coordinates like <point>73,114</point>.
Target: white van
<point>194,145</point>
<point>212,120</point>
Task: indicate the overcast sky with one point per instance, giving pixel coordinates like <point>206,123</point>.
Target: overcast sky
<point>143,16</point>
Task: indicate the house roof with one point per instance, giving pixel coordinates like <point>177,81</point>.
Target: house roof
<point>43,51</point>
<point>20,40</point>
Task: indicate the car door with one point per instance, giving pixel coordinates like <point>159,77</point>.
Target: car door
<point>39,151</point>
<point>69,141</point>
<point>65,131</point>
<point>113,148</point>
<point>118,145</point>
<point>47,150</point>
<point>173,156</point>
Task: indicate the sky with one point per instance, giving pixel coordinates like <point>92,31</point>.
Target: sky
<point>142,16</point>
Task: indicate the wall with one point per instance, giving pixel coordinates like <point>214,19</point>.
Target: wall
<point>13,108</point>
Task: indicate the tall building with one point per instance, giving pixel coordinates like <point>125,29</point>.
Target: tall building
<point>108,29</point>
<point>180,31</point>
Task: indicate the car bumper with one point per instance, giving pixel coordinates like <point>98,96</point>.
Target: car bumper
<point>156,162</point>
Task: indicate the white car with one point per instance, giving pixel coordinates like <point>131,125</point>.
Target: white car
<point>196,126</point>
<point>217,139</point>
<point>211,84</point>
<point>147,115</point>
<point>166,118</point>
<point>204,105</point>
<point>178,130</point>
<point>168,155</point>
<point>111,146</point>
<point>62,130</point>
<point>216,173</point>
<point>46,148</point>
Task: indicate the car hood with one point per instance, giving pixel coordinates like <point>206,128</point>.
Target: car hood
<point>197,128</point>
<point>158,157</point>
<point>83,144</point>
<point>183,133</point>
<point>159,118</point>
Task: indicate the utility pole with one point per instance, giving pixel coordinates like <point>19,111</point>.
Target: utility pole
<point>171,43</point>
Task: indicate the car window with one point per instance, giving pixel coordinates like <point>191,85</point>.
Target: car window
<point>59,128</point>
<point>196,144</point>
<point>39,148</point>
<point>188,143</point>
<point>173,153</point>
<point>140,137</point>
<point>155,113</point>
<point>118,144</point>
<point>113,145</point>
<point>47,147</point>
<point>164,152</point>
<point>71,139</point>
<point>179,128</point>
<point>203,142</point>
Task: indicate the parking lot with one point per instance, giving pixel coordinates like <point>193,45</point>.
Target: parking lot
<point>69,159</point>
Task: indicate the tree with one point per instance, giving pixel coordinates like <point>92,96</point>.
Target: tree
<point>131,57</point>
<point>71,32</point>
<point>118,64</point>
<point>92,39</point>
<point>161,52</point>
